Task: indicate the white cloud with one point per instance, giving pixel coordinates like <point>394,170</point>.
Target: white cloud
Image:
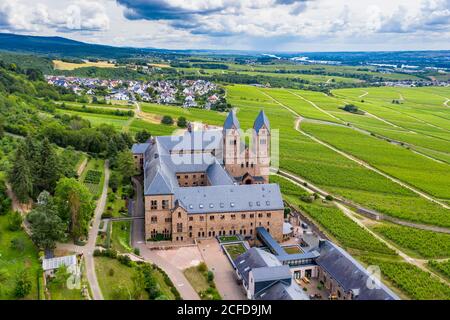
<point>81,15</point>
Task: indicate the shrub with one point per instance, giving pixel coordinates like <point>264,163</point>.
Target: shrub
<point>137,251</point>
<point>307,199</point>
<point>329,197</point>
<point>111,272</point>
<point>167,120</point>
<point>202,267</point>
<point>14,221</point>
<point>22,284</point>
<point>210,276</point>
<point>182,122</point>
<point>18,244</point>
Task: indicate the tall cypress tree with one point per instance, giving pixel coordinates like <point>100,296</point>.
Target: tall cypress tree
<point>20,176</point>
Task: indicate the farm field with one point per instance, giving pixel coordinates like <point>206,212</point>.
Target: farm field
<point>99,119</point>
<point>351,236</point>
<point>61,65</point>
<point>417,284</point>
<point>423,173</point>
<point>330,171</point>
<point>93,176</point>
<point>443,267</point>
<point>421,243</point>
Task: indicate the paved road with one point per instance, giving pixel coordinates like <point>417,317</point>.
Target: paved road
<point>138,241</point>
<point>88,249</point>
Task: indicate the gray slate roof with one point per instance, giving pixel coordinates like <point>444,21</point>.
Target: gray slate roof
<point>140,148</point>
<point>280,291</point>
<point>252,259</point>
<point>230,198</point>
<point>231,122</point>
<point>272,273</point>
<point>261,121</point>
<point>350,274</point>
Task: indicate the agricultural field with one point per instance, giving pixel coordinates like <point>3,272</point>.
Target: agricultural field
<point>93,176</point>
<point>98,119</point>
<point>423,173</point>
<point>351,236</point>
<point>442,267</point>
<point>61,65</point>
<point>421,243</point>
<point>417,284</point>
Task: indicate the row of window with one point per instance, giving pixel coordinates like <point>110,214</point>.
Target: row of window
<point>154,204</point>
<point>193,176</point>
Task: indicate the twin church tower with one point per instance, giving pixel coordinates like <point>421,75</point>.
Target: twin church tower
<point>247,163</point>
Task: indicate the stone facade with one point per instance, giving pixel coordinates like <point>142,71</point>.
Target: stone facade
<point>203,214</point>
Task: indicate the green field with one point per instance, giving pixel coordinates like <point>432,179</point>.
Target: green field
<point>422,243</point>
<point>14,259</point>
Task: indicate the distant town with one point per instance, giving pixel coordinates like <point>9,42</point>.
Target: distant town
<point>188,93</point>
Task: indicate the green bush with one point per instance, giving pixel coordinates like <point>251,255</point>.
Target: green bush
<point>202,267</point>
<point>167,120</point>
<point>14,221</point>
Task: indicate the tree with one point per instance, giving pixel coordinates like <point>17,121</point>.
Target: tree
<point>167,120</point>
<point>182,122</point>
<point>22,284</point>
<point>47,168</point>
<point>61,276</point>
<point>75,205</point>
<point>114,181</point>
<point>18,244</point>
<point>20,176</point>
<point>46,226</point>
<point>125,164</point>
<point>142,136</point>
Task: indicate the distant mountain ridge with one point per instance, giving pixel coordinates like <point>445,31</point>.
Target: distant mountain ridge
<point>59,46</point>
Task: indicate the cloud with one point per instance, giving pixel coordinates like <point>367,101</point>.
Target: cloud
<point>81,15</point>
<point>432,15</point>
<point>218,17</point>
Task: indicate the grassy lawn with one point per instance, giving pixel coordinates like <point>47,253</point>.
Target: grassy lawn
<point>12,260</point>
<point>223,239</point>
<point>121,276</point>
<point>235,250</point>
<point>292,250</point>
<point>61,292</point>
<point>197,277</point>
<point>120,236</point>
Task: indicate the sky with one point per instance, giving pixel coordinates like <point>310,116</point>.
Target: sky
<point>262,25</point>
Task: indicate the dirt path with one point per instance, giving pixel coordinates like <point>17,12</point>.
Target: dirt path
<point>314,105</point>
<point>82,167</point>
<point>420,263</point>
<point>446,102</point>
<point>364,94</point>
<point>356,160</point>
<point>365,223</point>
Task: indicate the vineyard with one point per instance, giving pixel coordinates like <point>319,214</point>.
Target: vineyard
<point>441,267</point>
<point>417,284</point>
<point>347,232</point>
<point>427,244</point>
